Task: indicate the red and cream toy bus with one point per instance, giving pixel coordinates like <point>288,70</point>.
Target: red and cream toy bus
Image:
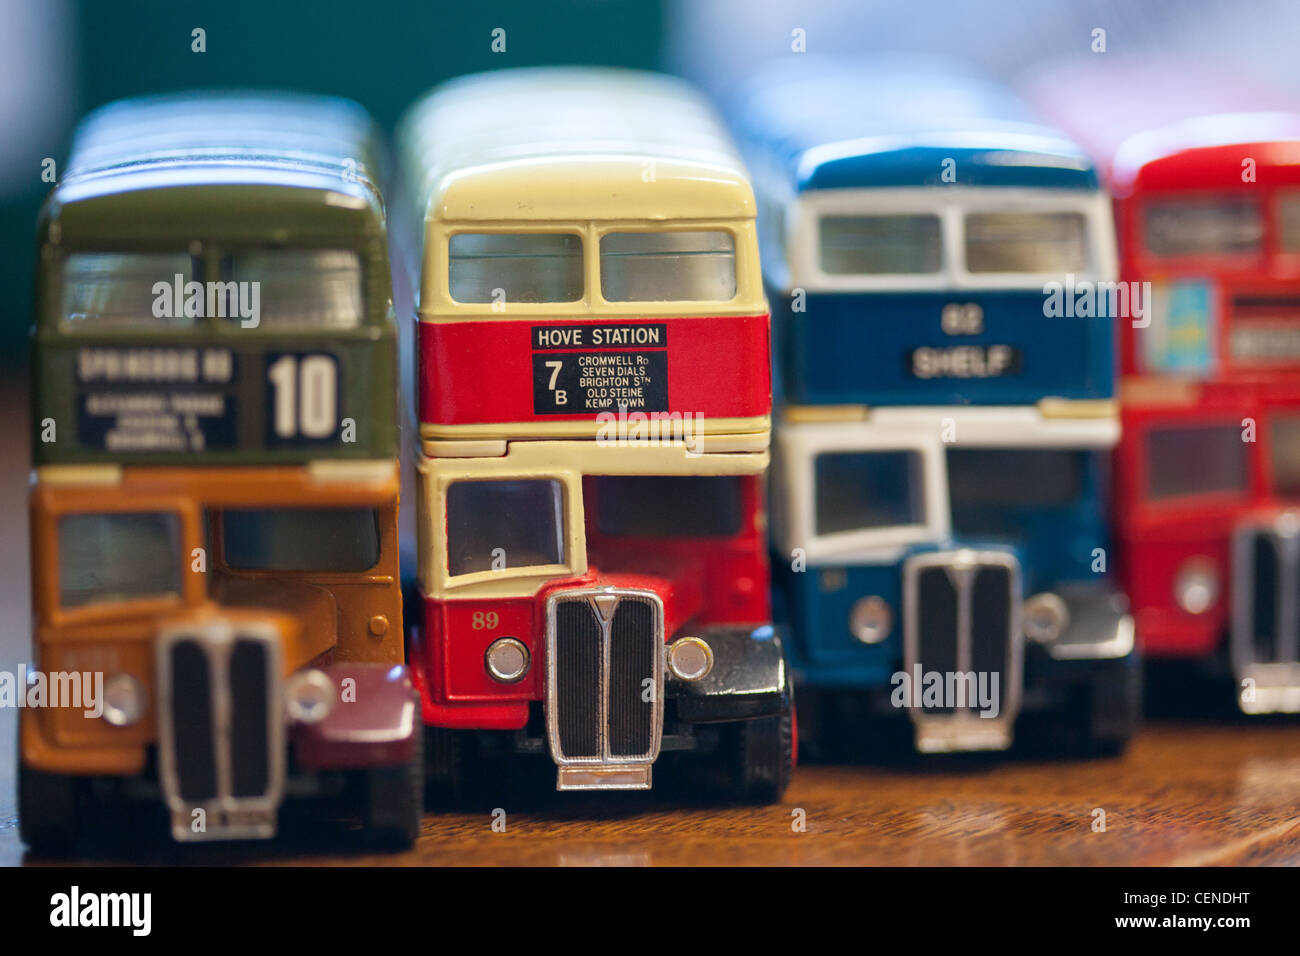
<point>594,418</point>
<point>1206,183</point>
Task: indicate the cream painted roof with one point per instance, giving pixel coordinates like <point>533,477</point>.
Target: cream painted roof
<point>574,143</point>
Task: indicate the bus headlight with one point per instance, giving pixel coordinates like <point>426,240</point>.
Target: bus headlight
<point>1196,585</point>
<point>870,619</point>
<point>690,658</point>
<point>507,660</point>
<point>309,696</point>
<point>123,700</point>
<point>1045,617</point>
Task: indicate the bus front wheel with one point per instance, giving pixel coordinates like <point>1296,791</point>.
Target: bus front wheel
<point>49,811</point>
<point>394,803</point>
<point>763,751</point>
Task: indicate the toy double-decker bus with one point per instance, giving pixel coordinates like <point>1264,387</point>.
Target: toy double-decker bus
<point>1206,179</point>
<point>594,422</point>
<point>943,420</point>
<point>214,515</point>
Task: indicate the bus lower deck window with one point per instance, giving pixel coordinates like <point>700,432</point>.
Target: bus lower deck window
<point>1196,460</point>
<point>301,539</point>
<point>118,557</point>
<point>516,522</point>
<point>1284,457</point>
<point>856,490</point>
<point>668,506</point>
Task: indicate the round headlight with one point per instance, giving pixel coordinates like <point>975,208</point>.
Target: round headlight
<point>123,700</point>
<point>309,696</point>
<point>1196,585</point>
<point>1045,617</point>
<point>870,619</point>
<point>690,658</point>
<point>507,660</point>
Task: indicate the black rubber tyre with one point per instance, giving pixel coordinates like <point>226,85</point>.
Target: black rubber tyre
<point>1114,714</point>
<point>1098,723</point>
<point>393,803</point>
<point>445,765</point>
<point>49,811</point>
<point>764,758</point>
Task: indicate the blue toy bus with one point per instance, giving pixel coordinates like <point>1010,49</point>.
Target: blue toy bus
<point>942,272</point>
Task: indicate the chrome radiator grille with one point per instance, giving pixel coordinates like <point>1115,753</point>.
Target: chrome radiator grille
<point>1265,632</point>
<point>962,617</point>
<point>604,687</point>
<point>221,738</point>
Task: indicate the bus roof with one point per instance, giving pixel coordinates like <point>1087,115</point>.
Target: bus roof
<point>256,141</point>
<point>823,123</point>
<point>571,143</point>
<point>1169,125</point>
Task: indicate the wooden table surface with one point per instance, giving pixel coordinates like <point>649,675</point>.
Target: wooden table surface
<point>1186,793</point>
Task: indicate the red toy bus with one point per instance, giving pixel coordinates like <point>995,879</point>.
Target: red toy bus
<point>594,424</point>
<point>1206,182</point>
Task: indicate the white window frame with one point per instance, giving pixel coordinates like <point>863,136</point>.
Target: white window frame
<point>798,446</point>
<point>1002,426</point>
<point>951,204</point>
<point>918,429</point>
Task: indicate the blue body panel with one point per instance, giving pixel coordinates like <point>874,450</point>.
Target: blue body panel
<point>1054,546</point>
<point>845,125</point>
<point>816,127</point>
<point>860,348</point>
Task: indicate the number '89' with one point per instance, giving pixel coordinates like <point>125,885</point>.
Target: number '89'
<point>484,620</point>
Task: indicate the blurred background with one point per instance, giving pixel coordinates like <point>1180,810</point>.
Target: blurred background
<point>60,58</point>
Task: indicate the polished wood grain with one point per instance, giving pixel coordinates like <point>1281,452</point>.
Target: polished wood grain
<point>1183,795</point>
<point>1186,793</point>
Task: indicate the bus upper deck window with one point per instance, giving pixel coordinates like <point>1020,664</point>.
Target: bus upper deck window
<point>668,267</point>
<point>880,245</point>
<point>117,289</point>
<point>1288,222</point>
<point>319,288</point>
<point>515,267</point>
<point>1034,242</point>
<point>1191,227</point>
